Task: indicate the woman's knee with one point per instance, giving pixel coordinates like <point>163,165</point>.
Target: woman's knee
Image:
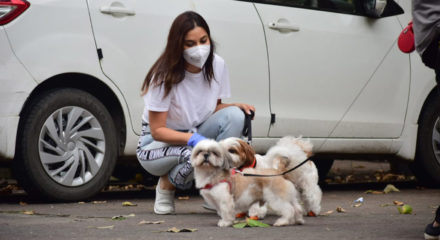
<point>234,115</point>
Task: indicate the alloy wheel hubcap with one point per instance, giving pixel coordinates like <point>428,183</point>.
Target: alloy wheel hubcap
<point>71,146</point>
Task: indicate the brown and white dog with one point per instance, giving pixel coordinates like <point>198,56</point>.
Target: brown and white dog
<point>286,154</point>
<point>232,193</point>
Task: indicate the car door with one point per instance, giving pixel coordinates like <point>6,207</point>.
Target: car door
<point>323,56</point>
<point>132,34</point>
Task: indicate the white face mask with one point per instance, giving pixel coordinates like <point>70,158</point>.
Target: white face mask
<point>197,55</point>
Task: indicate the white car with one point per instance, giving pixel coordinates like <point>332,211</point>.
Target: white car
<point>329,70</point>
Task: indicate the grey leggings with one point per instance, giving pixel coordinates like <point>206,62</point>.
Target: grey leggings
<point>159,158</point>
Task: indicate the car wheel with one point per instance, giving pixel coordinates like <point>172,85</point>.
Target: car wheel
<point>426,166</point>
<point>324,165</point>
<point>66,147</point>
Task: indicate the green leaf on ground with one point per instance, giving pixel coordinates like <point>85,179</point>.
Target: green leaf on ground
<point>256,223</point>
<point>240,225</point>
<point>405,209</point>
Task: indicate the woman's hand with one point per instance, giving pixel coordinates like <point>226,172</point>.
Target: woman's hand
<point>245,107</point>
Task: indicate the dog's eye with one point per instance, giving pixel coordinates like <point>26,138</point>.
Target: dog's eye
<point>233,151</point>
<point>216,154</point>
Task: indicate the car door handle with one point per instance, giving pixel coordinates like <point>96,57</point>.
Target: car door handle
<point>283,26</point>
<point>117,10</point>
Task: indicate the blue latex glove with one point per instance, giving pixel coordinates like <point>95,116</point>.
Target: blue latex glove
<point>194,139</point>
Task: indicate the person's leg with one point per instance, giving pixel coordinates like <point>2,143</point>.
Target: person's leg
<point>432,230</point>
<point>227,122</point>
<point>158,159</point>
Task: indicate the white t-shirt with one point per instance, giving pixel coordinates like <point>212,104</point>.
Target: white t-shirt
<point>193,100</point>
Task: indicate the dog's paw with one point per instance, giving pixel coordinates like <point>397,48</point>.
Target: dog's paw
<point>281,222</point>
<point>299,220</point>
<point>224,223</point>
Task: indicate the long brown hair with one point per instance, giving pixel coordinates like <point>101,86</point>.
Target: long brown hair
<point>169,69</point>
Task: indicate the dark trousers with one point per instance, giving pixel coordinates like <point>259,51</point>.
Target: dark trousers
<point>431,58</point>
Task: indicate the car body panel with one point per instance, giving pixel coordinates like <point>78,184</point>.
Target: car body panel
<point>16,87</point>
<point>128,57</point>
<point>59,44</point>
<point>318,73</point>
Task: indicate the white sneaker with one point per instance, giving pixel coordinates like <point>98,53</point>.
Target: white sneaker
<point>164,203</point>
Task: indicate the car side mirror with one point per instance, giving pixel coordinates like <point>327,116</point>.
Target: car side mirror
<point>381,8</point>
<point>374,8</point>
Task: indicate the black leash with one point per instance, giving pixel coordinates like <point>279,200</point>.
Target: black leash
<point>247,132</point>
<point>247,129</point>
<point>272,175</point>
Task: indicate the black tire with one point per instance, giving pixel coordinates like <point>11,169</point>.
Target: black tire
<point>84,153</point>
<point>324,165</point>
<point>426,166</point>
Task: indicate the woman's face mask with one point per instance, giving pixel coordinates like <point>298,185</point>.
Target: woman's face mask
<point>197,55</point>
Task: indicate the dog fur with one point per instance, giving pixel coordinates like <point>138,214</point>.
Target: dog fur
<point>236,193</point>
<point>286,154</point>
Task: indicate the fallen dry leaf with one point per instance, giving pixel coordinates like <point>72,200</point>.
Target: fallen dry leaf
<point>128,204</point>
<point>176,230</point>
<point>349,178</point>
<point>30,212</point>
<point>357,205</point>
<point>374,192</point>
<point>22,203</point>
<point>327,213</point>
<point>183,198</point>
<point>119,218</point>
<point>99,202</point>
<point>340,210</point>
<point>390,188</point>
<point>150,222</point>
<point>106,227</point>
<point>398,203</point>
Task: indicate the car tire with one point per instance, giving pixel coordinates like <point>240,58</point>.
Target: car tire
<point>323,165</point>
<point>426,166</point>
<point>72,164</point>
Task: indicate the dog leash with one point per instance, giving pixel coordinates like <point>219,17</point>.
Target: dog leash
<point>247,132</point>
<point>272,175</point>
<point>247,129</point>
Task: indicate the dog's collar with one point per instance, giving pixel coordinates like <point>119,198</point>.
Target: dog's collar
<point>240,169</point>
<point>252,165</point>
<point>209,186</point>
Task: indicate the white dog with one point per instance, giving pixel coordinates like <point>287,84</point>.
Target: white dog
<point>286,154</point>
<point>231,193</point>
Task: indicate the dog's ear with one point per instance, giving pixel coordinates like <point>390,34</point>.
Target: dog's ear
<point>248,152</point>
<point>227,159</point>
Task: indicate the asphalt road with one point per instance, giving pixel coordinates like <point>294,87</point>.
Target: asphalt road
<point>376,218</point>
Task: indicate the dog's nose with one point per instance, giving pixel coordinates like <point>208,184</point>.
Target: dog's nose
<point>206,155</point>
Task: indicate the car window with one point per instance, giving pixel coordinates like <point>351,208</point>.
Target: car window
<point>340,6</point>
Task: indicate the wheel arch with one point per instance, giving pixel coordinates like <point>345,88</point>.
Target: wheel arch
<point>428,100</point>
<point>88,84</point>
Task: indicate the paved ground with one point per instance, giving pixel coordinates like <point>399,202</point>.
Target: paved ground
<point>376,218</point>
